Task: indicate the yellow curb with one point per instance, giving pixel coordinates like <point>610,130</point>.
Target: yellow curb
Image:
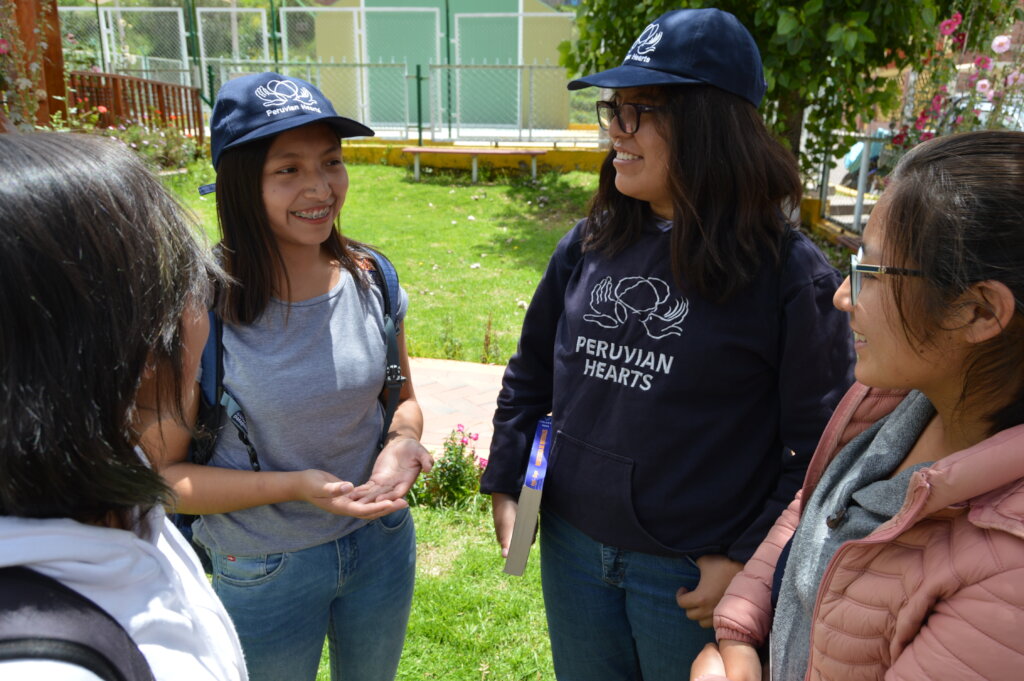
<point>846,191</point>
<point>390,153</point>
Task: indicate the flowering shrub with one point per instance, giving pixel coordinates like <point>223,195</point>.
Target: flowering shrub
<point>159,148</point>
<point>80,54</point>
<point>21,70</point>
<point>455,478</point>
<point>960,87</point>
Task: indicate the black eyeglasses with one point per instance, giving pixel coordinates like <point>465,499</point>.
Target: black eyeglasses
<point>857,272</point>
<point>627,114</point>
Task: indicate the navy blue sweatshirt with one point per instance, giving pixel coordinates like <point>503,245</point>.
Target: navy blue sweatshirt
<point>682,426</point>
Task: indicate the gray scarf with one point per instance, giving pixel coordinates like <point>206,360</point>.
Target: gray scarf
<point>855,496</point>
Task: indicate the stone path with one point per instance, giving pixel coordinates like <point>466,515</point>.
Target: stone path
<point>452,393</point>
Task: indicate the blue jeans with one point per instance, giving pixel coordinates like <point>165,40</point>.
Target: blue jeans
<point>612,614</point>
<point>356,591</point>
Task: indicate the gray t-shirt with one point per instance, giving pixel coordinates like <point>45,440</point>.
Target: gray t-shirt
<point>307,376</point>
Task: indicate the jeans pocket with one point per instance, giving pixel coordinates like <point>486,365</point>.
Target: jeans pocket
<point>248,570</point>
<point>393,522</point>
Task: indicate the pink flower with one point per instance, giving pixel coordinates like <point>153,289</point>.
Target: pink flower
<point>983,62</point>
<point>481,462</point>
<point>460,427</point>
<point>948,26</point>
<point>990,95</point>
<point>5,47</point>
<point>983,86</point>
<point>899,139</point>
<point>959,120</point>
<point>474,436</point>
<point>1014,78</point>
<point>101,109</point>
<point>959,39</point>
<point>463,441</point>
<point>1000,44</point>
<point>925,136</point>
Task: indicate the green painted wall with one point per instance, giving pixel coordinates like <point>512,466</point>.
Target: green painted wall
<point>496,96</point>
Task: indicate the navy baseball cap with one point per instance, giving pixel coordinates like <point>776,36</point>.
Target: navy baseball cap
<point>256,106</point>
<point>687,46</point>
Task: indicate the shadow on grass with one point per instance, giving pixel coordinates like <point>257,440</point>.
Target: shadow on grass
<point>539,214</point>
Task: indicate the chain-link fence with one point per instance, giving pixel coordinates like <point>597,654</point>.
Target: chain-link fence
<point>403,70</point>
<point>511,102</point>
<point>146,42</point>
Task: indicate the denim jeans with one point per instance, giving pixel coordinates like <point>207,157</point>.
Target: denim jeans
<point>356,591</point>
<point>612,614</point>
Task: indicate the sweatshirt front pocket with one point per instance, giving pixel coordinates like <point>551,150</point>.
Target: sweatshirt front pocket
<point>593,490</point>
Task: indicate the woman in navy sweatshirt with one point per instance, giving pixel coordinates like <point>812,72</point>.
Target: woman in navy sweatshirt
<point>684,342</point>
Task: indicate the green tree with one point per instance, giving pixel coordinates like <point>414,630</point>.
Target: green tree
<point>822,57</point>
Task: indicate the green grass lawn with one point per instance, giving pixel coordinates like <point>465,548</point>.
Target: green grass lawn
<point>469,256</point>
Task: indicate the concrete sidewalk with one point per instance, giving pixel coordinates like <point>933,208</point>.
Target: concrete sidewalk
<point>452,393</point>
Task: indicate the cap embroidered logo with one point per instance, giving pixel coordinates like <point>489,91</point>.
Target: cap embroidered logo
<point>647,42</point>
<point>279,93</point>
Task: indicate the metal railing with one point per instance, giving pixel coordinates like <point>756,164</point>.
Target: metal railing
<point>848,193</point>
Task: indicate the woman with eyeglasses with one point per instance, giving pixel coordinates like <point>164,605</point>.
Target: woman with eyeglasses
<point>903,555</point>
<point>684,342</point>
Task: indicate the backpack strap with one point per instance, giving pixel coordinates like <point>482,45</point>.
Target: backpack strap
<point>211,381</point>
<point>41,619</point>
<point>386,277</point>
<point>215,401</point>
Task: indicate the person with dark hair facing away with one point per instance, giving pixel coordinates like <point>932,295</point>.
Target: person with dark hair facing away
<point>102,283</point>
<point>902,557</point>
<point>306,525</point>
<point>683,340</point>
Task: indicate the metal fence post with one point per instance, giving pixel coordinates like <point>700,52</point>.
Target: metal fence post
<point>274,35</point>
<point>862,182</point>
<point>419,107</point>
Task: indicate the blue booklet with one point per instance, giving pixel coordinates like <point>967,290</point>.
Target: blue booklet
<point>525,529</point>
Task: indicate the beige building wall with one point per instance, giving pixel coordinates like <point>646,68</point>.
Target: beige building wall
<point>541,37</point>
<point>336,40</point>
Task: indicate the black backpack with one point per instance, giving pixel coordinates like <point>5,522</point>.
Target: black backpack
<point>41,619</point>
<point>215,401</point>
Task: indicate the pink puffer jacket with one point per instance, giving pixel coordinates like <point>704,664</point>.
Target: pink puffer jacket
<point>937,592</point>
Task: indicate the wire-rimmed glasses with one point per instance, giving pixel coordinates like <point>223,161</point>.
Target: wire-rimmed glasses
<point>858,270</point>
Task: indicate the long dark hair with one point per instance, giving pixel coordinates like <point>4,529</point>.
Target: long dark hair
<point>956,212</point>
<point>732,184</point>
<point>248,249</point>
<point>97,266</point>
